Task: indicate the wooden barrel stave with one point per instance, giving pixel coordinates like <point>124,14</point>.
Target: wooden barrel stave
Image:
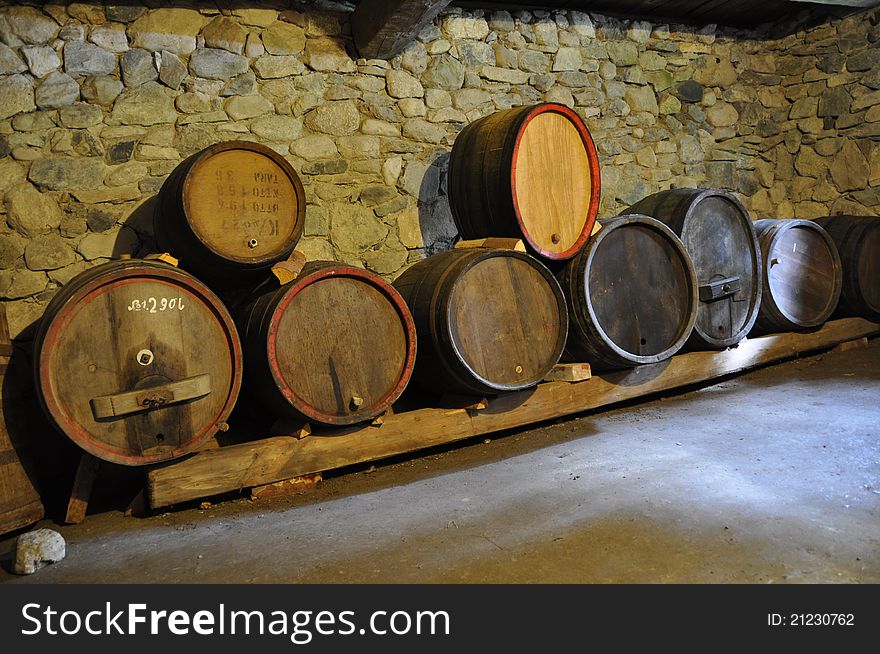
<point>20,503</point>
<point>631,294</point>
<point>483,180</point>
<point>230,211</point>
<point>489,321</point>
<point>719,237</point>
<point>801,275</point>
<point>333,337</point>
<point>858,242</point>
<point>120,328</point>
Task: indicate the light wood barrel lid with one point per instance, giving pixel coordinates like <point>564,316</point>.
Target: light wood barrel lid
<point>243,203</point>
<point>555,180</point>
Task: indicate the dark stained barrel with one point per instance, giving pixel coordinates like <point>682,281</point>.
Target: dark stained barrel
<point>631,293</point>
<point>336,345</point>
<point>530,172</point>
<point>800,273</point>
<point>858,242</point>
<point>488,320</point>
<point>719,237</point>
<point>230,212</point>
<point>137,362</point>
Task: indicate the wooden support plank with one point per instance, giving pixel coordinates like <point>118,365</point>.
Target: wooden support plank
<point>852,345</point>
<point>284,457</point>
<point>493,242</point>
<point>569,372</point>
<point>86,473</point>
<point>383,28</point>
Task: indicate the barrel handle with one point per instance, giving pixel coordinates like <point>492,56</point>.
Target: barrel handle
<point>719,288</point>
<point>157,397</point>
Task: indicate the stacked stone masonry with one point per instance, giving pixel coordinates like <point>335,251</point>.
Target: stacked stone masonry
<point>98,103</point>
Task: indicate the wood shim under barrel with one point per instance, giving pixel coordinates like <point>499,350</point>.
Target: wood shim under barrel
<point>229,469</point>
<point>497,243</point>
<point>570,372</point>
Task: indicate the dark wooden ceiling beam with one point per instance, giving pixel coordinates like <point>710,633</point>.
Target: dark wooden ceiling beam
<point>382,28</point>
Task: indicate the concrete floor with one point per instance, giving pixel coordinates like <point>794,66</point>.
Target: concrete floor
<point>768,477</point>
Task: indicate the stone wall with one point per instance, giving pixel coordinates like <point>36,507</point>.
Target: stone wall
<point>98,104</point>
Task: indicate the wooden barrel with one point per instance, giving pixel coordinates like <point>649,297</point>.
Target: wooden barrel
<point>336,345</point>
<point>20,503</point>
<point>800,273</point>
<point>488,320</point>
<point>232,209</point>
<point>529,172</point>
<point>858,242</point>
<point>631,293</point>
<point>137,362</point>
<point>719,237</point>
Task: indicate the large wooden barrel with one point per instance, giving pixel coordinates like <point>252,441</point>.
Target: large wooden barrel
<point>718,235</point>
<point>20,503</point>
<point>336,345</point>
<point>137,362</point>
<point>800,273</point>
<point>858,242</point>
<point>488,320</point>
<point>232,209</point>
<point>529,172</point>
<point>631,293</point>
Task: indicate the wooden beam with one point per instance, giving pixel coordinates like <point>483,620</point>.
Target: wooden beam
<point>383,28</point>
<point>273,459</point>
<point>86,473</point>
